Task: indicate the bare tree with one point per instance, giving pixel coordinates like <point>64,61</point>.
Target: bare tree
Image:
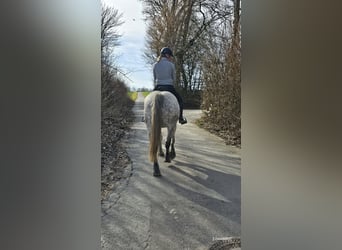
<point>110,21</point>
<point>181,25</point>
<point>205,36</point>
<point>113,89</point>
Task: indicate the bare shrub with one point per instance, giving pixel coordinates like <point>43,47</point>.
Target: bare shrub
<point>221,98</point>
<point>116,106</point>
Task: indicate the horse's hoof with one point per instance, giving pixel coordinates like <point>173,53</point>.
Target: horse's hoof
<point>167,160</point>
<point>157,174</point>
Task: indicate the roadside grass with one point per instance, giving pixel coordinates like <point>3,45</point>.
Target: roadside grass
<point>145,93</point>
<point>132,95</point>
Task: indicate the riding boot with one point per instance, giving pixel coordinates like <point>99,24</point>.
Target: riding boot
<point>182,120</point>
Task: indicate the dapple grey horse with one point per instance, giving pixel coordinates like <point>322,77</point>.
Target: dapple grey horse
<point>161,109</point>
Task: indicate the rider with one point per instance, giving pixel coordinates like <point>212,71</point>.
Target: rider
<point>164,74</point>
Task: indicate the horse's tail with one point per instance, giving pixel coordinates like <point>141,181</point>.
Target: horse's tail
<point>155,134</point>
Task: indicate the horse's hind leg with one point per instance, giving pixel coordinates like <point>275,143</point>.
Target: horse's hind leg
<point>170,142</point>
<point>161,153</point>
<point>167,146</point>
<point>173,152</point>
<point>156,171</point>
<point>172,136</point>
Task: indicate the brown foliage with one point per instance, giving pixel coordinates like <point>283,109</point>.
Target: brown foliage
<point>222,93</point>
<point>116,115</point>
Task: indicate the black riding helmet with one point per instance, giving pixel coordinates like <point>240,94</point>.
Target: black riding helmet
<point>166,51</point>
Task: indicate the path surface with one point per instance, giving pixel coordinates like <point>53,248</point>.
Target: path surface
<point>197,199</point>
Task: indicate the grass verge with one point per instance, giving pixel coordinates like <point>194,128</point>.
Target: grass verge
<point>132,95</point>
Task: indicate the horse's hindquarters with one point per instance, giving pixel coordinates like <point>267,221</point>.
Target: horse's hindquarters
<point>161,109</point>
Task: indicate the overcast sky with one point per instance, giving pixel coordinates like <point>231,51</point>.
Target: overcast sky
<point>130,52</point>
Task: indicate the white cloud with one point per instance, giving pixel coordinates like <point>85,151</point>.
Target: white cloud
<point>130,52</point>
